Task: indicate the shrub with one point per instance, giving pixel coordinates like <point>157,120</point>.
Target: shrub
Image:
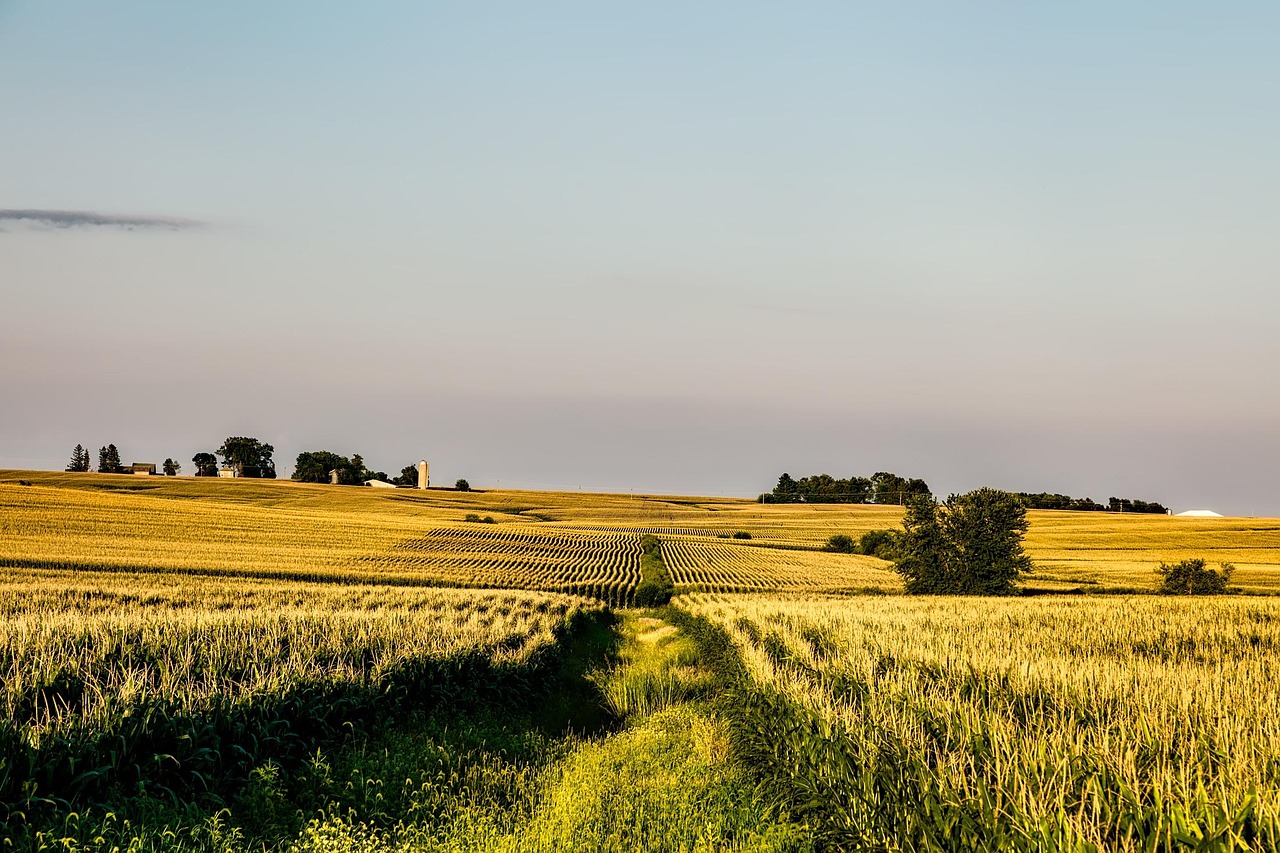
<point>471,516</point>
<point>878,543</point>
<point>742,534</point>
<point>841,544</point>
<point>462,486</point>
<point>1193,577</point>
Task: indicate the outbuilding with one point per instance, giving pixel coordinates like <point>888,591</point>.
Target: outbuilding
<point>1200,513</point>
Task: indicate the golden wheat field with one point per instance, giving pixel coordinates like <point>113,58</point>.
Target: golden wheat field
<point>555,541</point>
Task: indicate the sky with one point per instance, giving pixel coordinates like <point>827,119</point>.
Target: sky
<point>672,247</point>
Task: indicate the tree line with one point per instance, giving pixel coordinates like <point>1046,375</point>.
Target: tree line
<point>1047,500</point>
<point>246,456</point>
<point>882,487</point>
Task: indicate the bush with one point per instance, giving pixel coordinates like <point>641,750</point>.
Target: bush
<point>742,534</point>
<point>841,544</point>
<point>462,486</point>
<point>1193,577</point>
<point>878,543</point>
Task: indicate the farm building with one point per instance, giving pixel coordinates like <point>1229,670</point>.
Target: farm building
<point>143,469</point>
<point>380,484</point>
<point>1199,513</point>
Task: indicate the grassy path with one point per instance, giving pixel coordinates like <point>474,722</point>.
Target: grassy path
<point>644,764</point>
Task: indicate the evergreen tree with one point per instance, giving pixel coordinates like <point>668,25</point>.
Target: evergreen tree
<point>108,460</point>
<point>79,459</point>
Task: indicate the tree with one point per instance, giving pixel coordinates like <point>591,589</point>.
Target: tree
<point>969,545</point>
<point>206,464</point>
<point>79,460</point>
<point>317,466</point>
<point>108,460</point>
<point>889,488</point>
<point>248,456</point>
<point>786,491</point>
<point>1192,577</point>
<point>408,476</point>
<point>171,468</point>
<point>462,486</point>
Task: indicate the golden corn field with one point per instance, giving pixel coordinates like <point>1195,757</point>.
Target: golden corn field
<point>173,637</point>
<point>1047,723</point>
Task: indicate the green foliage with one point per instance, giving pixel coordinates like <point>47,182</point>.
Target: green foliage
<point>969,545</point>
<point>206,464</point>
<point>841,544</point>
<point>462,486</point>
<point>408,476</point>
<point>109,460</point>
<point>655,587</point>
<point>316,466</point>
<point>880,488</point>
<point>741,534</point>
<point>472,517</point>
<point>171,468</point>
<point>1193,577</point>
<point>79,460</point>
<point>878,543</point>
<point>248,456</point>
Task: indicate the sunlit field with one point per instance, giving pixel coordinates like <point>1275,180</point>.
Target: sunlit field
<point>235,665</point>
<point>1100,723</point>
<point>578,543</point>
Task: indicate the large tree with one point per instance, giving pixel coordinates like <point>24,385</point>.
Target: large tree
<point>206,464</point>
<point>969,545</point>
<point>248,456</point>
<point>317,466</point>
<point>171,468</point>
<point>79,459</point>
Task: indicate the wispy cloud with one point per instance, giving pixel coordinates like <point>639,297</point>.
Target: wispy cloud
<point>94,219</point>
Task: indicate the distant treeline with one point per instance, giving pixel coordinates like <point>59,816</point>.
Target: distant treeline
<point>880,488</point>
<point>884,487</point>
<point>1046,500</point>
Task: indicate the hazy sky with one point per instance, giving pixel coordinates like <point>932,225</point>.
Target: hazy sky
<point>680,247</point>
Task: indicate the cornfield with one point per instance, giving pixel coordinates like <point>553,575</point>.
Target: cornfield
<point>1031,724</point>
<point>113,680</point>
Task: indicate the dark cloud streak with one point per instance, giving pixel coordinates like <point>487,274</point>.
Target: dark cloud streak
<point>93,219</point>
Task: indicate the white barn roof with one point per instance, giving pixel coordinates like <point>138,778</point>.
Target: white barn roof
<point>1200,513</point>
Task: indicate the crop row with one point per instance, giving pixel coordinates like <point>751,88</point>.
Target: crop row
<point>717,565</point>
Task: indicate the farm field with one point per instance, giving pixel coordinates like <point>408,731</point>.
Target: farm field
<point>555,541</point>
<point>215,665</point>
<point>1033,724</point>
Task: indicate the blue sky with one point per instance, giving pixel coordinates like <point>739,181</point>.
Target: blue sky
<point>678,247</point>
